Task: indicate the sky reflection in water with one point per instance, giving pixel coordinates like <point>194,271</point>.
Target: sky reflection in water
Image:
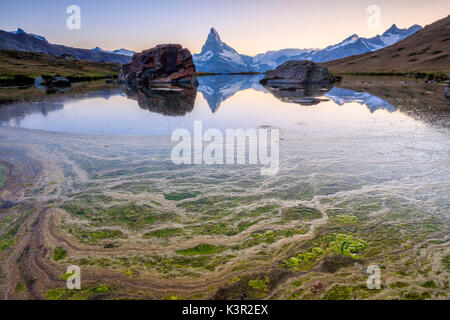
<point>220,102</point>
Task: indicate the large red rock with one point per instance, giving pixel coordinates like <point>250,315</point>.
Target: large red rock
<point>166,63</point>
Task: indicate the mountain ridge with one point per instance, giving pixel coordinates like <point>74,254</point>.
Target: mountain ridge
<point>218,57</point>
<point>424,51</point>
<point>22,41</point>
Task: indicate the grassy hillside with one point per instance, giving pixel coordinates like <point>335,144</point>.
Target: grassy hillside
<point>18,66</point>
<point>425,51</point>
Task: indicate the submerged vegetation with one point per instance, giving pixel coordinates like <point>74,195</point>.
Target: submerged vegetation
<point>125,214</point>
<point>59,253</point>
<point>2,175</point>
<point>201,249</point>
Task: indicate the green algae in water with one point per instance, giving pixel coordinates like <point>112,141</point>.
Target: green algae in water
<point>82,294</point>
<point>446,262</point>
<point>164,233</point>
<point>300,213</point>
<point>304,259</point>
<point>259,284</point>
<point>97,235</point>
<point>2,176</point>
<point>178,196</point>
<point>201,249</point>
<point>132,215</point>
<point>59,253</point>
<point>339,293</point>
<point>398,285</point>
<point>344,219</point>
<point>222,228</point>
<point>348,245</point>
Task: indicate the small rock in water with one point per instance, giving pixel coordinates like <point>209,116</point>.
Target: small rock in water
<point>447,92</point>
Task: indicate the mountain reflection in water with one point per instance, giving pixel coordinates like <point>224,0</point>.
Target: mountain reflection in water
<point>158,110</point>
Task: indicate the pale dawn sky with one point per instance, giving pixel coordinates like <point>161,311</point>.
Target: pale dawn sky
<point>250,27</point>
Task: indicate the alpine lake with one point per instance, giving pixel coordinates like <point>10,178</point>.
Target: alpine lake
<point>86,179</point>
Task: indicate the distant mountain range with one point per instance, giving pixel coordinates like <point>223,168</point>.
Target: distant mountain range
<point>20,31</point>
<point>218,57</point>
<point>22,41</point>
<point>425,51</point>
<point>122,51</point>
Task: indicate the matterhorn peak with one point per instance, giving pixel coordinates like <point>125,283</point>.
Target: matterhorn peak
<point>214,36</point>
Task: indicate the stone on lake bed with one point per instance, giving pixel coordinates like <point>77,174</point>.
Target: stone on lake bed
<point>298,72</point>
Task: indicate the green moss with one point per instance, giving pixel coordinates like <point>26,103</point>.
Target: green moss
<point>300,213</point>
<point>303,259</point>
<point>345,219</point>
<point>66,275</point>
<point>339,293</point>
<point>172,297</point>
<point>163,233</point>
<point>6,243</point>
<point>82,294</point>
<point>413,295</point>
<point>259,284</point>
<point>429,284</point>
<point>446,262</point>
<point>347,245</point>
<point>398,284</point>
<point>20,287</point>
<point>131,215</point>
<point>2,175</point>
<point>180,196</point>
<point>59,253</point>
<point>128,272</point>
<point>94,236</point>
<point>201,249</point>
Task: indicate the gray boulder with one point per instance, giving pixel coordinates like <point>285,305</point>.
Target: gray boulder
<point>447,91</point>
<point>298,72</point>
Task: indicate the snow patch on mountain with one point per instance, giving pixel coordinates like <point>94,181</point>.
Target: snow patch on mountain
<point>123,52</point>
<point>216,56</point>
<point>21,31</point>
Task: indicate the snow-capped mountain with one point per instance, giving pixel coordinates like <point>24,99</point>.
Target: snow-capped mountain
<point>122,51</point>
<point>21,41</point>
<point>20,31</point>
<point>356,45</point>
<point>216,90</point>
<point>218,57</point>
<point>373,103</point>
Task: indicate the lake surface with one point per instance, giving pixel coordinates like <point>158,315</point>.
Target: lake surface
<point>365,171</point>
<point>220,102</point>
